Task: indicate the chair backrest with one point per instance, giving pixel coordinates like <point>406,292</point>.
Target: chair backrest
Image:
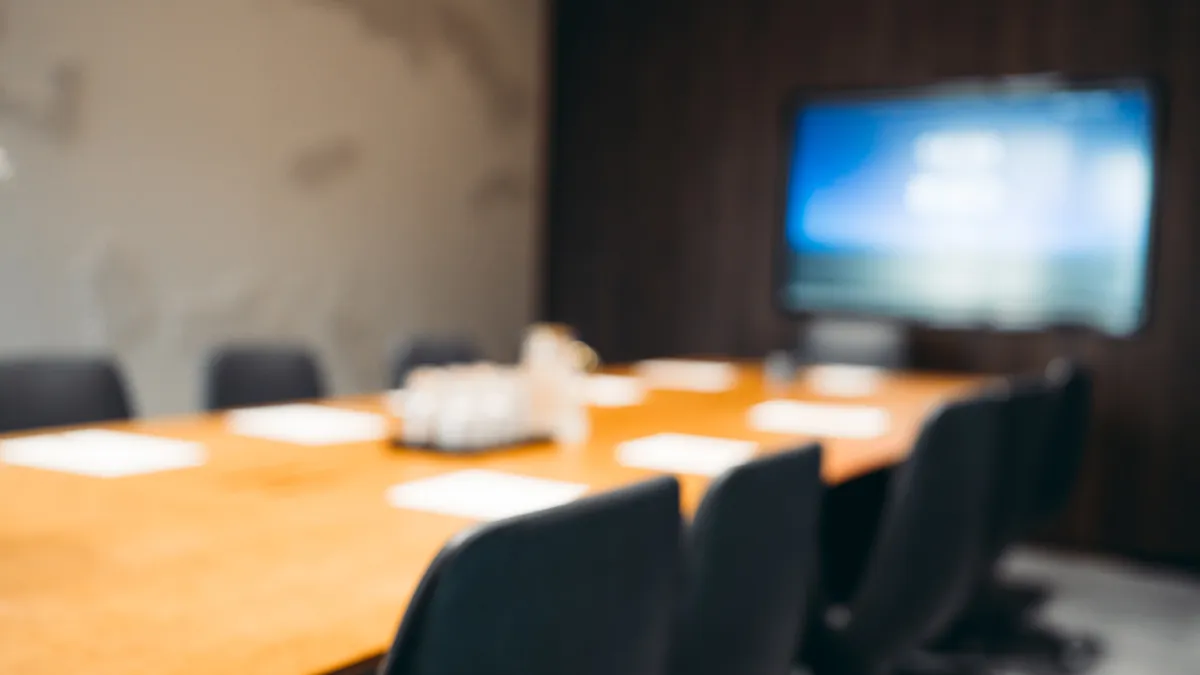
<point>432,351</point>
<point>749,558</point>
<point>934,529</point>
<point>1067,437</point>
<point>258,375</point>
<point>1028,407</point>
<point>587,589</point>
<point>59,391</point>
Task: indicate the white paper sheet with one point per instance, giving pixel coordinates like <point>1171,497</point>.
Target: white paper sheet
<point>684,375</point>
<point>483,494</point>
<point>101,453</point>
<point>308,424</point>
<point>819,419</point>
<point>844,380</point>
<point>614,391</point>
<point>684,453</point>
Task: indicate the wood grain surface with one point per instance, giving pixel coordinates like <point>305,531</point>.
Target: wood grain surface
<point>278,558</point>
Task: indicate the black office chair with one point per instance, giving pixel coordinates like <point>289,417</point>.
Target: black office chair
<point>1028,408</point>
<point>432,351</point>
<point>60,391</point>
<point>244,376</point>
<point>924,561</point>
<point>1067,438</point>
<point>1045,425</point>
<point>1048,420</point>
<point>1061,464</point>
<point>586,589</point>
<point>750,554</point>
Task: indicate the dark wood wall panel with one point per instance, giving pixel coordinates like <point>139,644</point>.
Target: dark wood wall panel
<point>664,168</point>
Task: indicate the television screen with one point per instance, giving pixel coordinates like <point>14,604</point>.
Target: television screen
<point>999,206</point>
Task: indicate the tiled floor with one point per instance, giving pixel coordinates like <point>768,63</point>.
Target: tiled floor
<point>1147,618</point>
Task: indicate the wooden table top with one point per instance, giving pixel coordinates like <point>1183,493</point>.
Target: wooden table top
<point>279,558</point>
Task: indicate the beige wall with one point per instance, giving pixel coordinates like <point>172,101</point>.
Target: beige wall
<point>341,172</point>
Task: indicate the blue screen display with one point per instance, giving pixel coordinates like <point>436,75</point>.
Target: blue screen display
<point>1012,209</point>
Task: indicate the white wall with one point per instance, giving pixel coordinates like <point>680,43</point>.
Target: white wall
<point>339,172</point>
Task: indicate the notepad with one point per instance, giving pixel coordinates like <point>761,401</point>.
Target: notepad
<point>101,453</point>
<point>614,391</point>
<point>483,494</point>
<point>685,453</point>
<point>685,375</point>
<point>308,424</point>
<point>819,419</point>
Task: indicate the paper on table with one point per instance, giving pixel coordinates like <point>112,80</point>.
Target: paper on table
<point>685,453</point>
<point>101,453</point>
<point>844,380</point>
<point>483,494</point>
<point>703,376</point>
<point>819,419</point>
<point>307,424</point>
<point>614,391</point>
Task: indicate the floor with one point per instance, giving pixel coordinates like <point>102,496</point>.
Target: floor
<point>1147,618</point>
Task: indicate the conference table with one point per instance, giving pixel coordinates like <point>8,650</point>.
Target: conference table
<point>274,557</point>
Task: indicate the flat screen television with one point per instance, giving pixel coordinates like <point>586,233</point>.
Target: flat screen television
<point>1012,205</point>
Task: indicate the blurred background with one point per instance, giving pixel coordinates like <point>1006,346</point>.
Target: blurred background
<point>349,173</point>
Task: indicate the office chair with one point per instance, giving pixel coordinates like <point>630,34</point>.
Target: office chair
<point>431,351</point>
<point>1044,428</point>
<point>1048,422</point>
<point>923,563</point>
<point>1063,454</point>
<point>1029,410</point>
<point>749,557</point>
<point>60,391</point>
<point>1026,416</point>
<point>587,589</point>
<point>258,375</point>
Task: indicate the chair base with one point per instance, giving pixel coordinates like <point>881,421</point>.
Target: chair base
<point>930,663</point>
<point>1000,627</point>
<point>1011,602</point>
<point>998,607</point>
<point>1036,648</point>
<point>917,663</point>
